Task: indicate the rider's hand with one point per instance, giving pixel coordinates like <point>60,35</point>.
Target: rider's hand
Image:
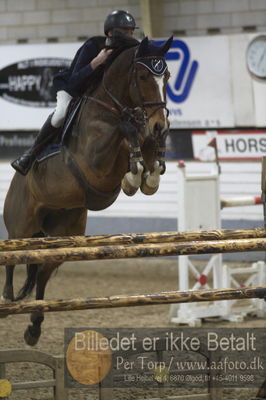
<point>100,58</point>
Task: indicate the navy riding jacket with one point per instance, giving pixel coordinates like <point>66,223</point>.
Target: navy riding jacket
<point>77,78</point>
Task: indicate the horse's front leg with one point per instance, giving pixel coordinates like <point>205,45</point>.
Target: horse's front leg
<point>33,331</point>
<point>8,291</point>
<point>151,179</point>
<point>132,179</point>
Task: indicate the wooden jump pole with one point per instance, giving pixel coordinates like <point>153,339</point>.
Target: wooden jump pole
<point>123,239</point>
<point>131,251</point>
<point>190,296</point>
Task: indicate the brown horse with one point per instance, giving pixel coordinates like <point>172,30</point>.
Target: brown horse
<point>119,141</point>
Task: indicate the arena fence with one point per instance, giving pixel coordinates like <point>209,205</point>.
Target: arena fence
<point>55,363</point>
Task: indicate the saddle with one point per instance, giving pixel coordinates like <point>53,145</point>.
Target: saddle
<point>54,148</point>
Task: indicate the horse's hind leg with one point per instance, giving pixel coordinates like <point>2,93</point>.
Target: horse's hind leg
<point>21,220</point>
<point>8,292</point>
<point>33,331</point>
<point>57,223</point>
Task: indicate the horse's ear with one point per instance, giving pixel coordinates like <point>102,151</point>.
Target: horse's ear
<point>164,49</point>
<point>143,47</point>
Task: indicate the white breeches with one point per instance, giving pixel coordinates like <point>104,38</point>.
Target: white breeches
<point>62,101</point>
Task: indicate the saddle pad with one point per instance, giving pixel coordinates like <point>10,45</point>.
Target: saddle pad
<point>50,150</point>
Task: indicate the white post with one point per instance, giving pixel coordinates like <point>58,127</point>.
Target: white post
<point>198,208</point>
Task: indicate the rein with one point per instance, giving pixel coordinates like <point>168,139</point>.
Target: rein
<point>136,115</point>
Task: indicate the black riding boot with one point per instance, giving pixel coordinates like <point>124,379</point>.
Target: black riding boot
<point>24,162</point>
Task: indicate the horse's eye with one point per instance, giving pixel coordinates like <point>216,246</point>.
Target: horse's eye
<point>143,77</point>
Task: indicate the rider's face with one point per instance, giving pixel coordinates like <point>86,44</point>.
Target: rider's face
<point>126,31</point>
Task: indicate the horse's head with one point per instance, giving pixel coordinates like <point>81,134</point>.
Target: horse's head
<point>148,85</point>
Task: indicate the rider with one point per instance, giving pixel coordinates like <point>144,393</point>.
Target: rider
<point>73,82</point>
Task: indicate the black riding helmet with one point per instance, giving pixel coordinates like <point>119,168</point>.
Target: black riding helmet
<point>119,19</point>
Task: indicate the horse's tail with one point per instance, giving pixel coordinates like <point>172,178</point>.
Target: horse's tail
<point>30,281</point>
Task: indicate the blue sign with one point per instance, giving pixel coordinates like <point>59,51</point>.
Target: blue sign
<point>185,75</point>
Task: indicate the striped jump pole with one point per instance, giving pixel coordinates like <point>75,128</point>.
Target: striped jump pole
<point>115,301</point>
<point>241,201</point>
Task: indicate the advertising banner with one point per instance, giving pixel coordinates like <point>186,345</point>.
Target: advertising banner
<point>27,96</point>
<point>231,145</point>
<point>209,88</point>
<point>199,91</point>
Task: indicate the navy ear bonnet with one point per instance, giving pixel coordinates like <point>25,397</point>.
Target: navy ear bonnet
<point>156,65</point>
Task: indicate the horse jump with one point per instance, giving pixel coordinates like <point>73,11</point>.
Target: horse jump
<point>153,244</point>
<point>131,246</point>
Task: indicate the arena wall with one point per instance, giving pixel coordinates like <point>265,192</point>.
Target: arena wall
<point>71,20</point>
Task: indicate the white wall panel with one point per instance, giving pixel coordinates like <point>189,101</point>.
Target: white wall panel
<point>242,178</point>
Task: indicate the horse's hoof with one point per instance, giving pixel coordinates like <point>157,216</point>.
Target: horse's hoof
<point>151,180</point>
<point>31,335</point>
<point>7,297</point>
<point>148,190</point>
<point>132,181</point>
<point>127,188</point>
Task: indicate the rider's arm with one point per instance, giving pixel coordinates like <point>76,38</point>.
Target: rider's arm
<point>88,60</point>
<point>82,69</point>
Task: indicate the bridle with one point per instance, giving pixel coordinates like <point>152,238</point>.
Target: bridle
<point>144,104</point>
<point>137,116</point>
